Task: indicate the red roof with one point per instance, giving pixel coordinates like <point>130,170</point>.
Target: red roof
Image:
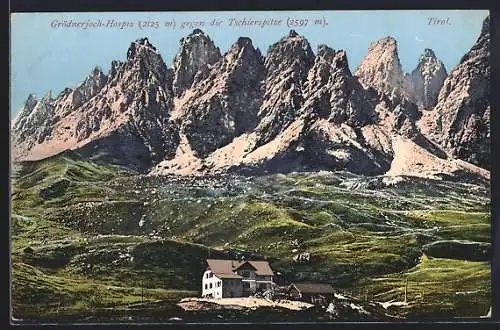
<point>223,268</point>
<point>262,268</point>
<point>227,268</point>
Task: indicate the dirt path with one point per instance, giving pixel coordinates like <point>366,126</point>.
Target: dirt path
<point>248,302</point>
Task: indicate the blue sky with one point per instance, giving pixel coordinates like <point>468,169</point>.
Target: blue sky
<point>46,58</point>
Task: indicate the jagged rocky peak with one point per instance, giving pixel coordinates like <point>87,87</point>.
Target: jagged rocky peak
<point>138,46</point>
<point>70,99</point>
<point>244,42</point>
<point>462,111</point>
<point>289,110</point>
<point>292,52</point>
<point>223,103</point>
<point>96,76</point>
<point>29,104</point>
<point>65,102</point>
<point>124,116</point>
<point>115,68</point>
<point>96,79</point>
<point>31,100</point>
<point>241,48</point>
<point>86,90</point>
<point>143,57</point>
<point>34,119</point>
<point>241,61</point>
<point>485,29</point>
<point>332,92</point>
<point>245,64</point>
<point>381,68</point>
<point>287,65</point>
<point>327,65</point>
<point>47,97</point>
<point>340,61</point>
<point>319,74</point>
<point>24,112</point>
<point>325,52</point>
<point>425,81</point>
<point>44,108</point>
<point>482,43</point>
<point>197,52</point>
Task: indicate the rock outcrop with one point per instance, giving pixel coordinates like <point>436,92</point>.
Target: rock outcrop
<point>425,82</point>
<point>461,122</point>
<point>333,93</point>
<point>381,69</point>
<point>196,54</point>
<point>287,64</point>
<point>33,123</point>
<point>226,102</point>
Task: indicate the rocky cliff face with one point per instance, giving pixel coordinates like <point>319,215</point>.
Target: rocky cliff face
<point>462,113</point>
<point>290,110</point>
<point>287,64</point>
<point>425,82</point>
<point>333,93</point>
<point>196,54</point>
<point>34,121</point>
<point>123,117</point>
<point>226,102</point>
<point>380,69</point>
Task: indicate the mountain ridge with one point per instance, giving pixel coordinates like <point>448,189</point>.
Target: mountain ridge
<point>289,110</point>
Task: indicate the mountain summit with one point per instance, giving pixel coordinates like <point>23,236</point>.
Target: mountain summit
<point>381,68</point>
<point>197,52</point>
<point>425,82</point>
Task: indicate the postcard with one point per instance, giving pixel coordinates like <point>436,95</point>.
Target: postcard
<point>250,166</point>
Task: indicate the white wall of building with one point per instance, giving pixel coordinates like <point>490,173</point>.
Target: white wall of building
<point>211,285</point>
<point>216,287</point>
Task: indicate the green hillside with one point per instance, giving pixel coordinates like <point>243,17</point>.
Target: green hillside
<point>91,238</point>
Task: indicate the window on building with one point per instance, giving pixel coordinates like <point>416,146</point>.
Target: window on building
<point>206,286</point>
<point>210,285</point>
<point>219,284</point>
